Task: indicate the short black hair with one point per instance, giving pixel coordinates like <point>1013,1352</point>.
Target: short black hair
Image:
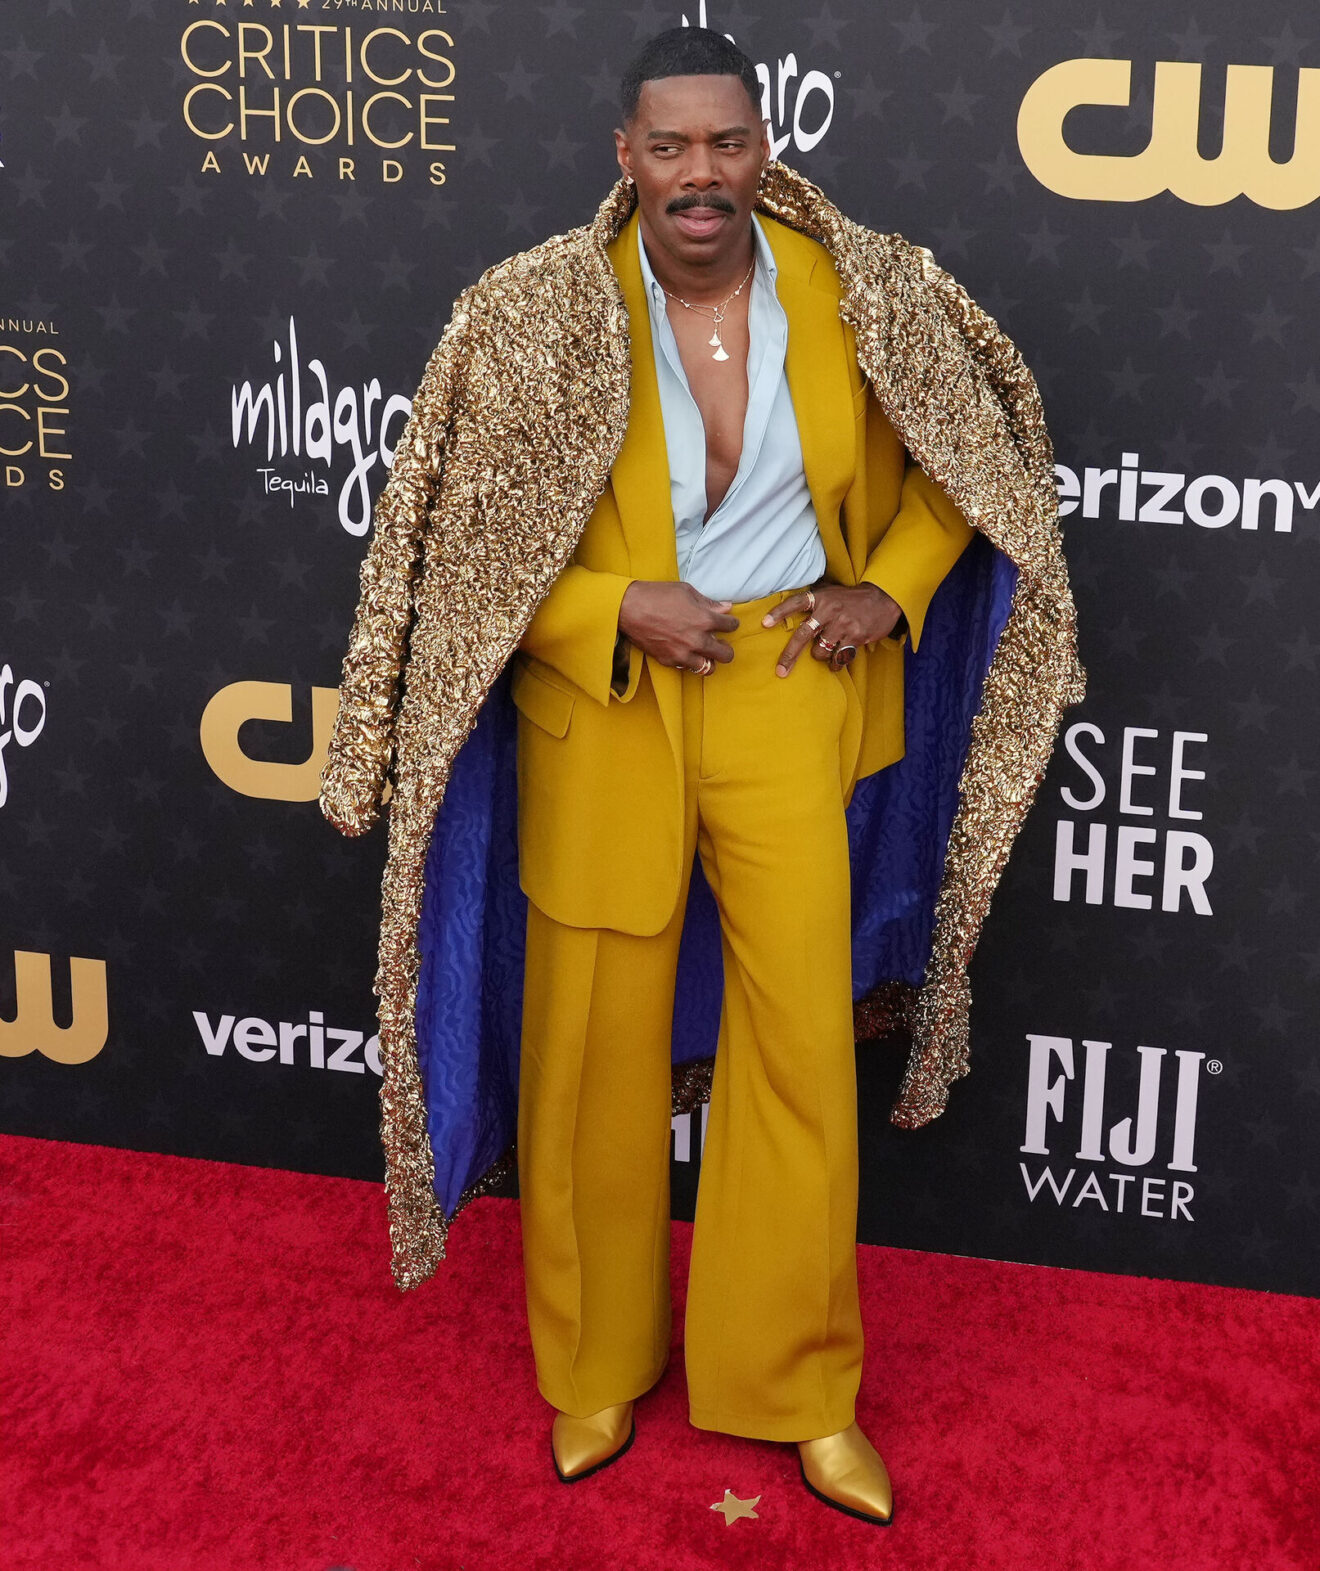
<point>687,51</point>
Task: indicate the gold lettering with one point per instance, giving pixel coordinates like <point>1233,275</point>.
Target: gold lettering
<point>48,352</point>
<point>428,120</point>
<point>46,431</point>
<point>383,81</point>
<point>245,54</point>
<point>196,69</point>
<point>205,87</point>
<point>245,113</point>
<point>441,60</point>
<point>316,31</point>
<point>366,120</point>
<point>17,392</point>
<point>16,452</point>
<point>302,136</point>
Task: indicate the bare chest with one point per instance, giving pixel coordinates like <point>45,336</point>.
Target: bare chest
<point>718,387</point>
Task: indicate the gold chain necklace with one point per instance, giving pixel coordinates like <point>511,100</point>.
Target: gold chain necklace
<point>717,311</point>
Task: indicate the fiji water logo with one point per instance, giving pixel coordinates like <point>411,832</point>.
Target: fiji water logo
<point>798,104</point>
<point>1122,1159</point>
<point>22,718</point>
<point>296,416</point>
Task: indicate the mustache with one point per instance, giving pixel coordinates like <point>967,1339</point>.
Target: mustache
<point>684,204</point>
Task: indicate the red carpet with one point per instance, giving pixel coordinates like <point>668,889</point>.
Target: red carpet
<point>208,1368</point>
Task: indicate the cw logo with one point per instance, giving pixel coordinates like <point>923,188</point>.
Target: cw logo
<point>33,1028</point>
<point>228,711</point>
<point>1170,160</point>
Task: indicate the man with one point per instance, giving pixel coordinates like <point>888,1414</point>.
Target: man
<point>652,456</point>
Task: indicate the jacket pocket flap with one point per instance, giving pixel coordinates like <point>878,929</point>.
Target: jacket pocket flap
<point>542,702</point>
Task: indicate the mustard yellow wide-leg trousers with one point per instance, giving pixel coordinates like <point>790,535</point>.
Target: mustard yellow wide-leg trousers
<point>773,1337</point>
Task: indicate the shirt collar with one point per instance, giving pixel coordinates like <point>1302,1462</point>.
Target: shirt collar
<point>655,294</point>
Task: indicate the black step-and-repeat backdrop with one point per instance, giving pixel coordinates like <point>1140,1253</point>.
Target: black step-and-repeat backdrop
<point>230,236</point>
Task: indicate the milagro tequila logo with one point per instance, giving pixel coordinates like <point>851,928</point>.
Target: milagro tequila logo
<point>22,718</point>
<point>297,417</point>
<point>799,104</point>
<point>321,99</point>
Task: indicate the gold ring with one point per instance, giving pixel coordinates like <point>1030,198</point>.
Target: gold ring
<point>811,600</point>
<point>842,655</point>
<point>812,623</point>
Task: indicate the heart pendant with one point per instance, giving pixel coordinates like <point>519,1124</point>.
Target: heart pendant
<point>720,354</point>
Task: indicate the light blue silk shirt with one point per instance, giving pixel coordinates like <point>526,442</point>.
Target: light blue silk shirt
<point>763,537</point>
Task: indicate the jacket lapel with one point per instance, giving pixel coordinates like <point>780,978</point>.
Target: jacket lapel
<point>817,369</point>
<point>641,471</point>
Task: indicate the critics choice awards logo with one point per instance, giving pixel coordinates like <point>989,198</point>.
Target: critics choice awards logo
<point>34,404</point>
<point>338,91</point>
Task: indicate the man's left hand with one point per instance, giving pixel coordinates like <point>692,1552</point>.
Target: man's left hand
<point>859,616</point>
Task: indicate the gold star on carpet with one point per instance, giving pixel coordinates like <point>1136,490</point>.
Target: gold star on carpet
<point>732,1508</point>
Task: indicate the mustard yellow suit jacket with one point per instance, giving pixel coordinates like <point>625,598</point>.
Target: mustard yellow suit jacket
<point>600,773</point>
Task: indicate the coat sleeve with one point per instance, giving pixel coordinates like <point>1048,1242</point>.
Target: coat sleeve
<point>362,742</point>
<point>576,630</point>
<point>927,536</point>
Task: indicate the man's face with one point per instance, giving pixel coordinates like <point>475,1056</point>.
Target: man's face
<point>695,148</point>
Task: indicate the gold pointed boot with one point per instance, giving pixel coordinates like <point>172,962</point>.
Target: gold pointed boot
<point>845,1471</point>
<point>582,1446</point>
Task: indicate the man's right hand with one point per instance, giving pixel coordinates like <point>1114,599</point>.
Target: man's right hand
<point>675,623</point>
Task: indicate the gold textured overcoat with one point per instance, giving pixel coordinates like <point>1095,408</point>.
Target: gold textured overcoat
<point>515,428</point>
